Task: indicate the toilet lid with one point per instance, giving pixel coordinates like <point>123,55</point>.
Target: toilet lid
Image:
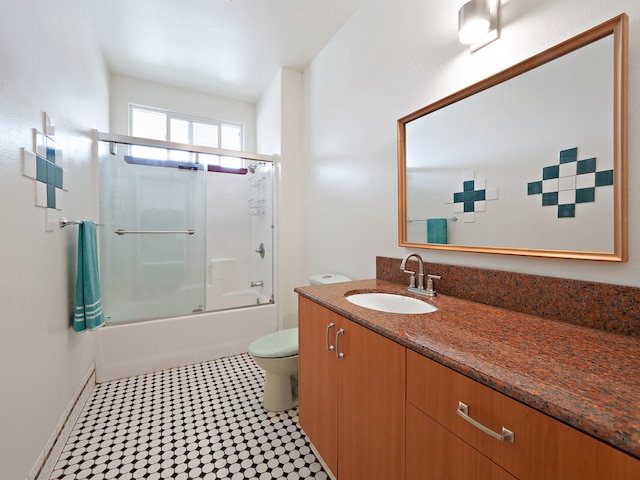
<point>275,345</point>
<point>324,278</point>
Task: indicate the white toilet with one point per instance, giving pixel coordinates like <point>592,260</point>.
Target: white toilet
<point>277,354</point>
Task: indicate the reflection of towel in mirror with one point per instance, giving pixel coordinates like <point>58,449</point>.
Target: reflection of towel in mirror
<point>437,230</point>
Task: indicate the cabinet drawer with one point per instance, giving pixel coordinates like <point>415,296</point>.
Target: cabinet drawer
<point>543,447</point>
<point>435,452</point>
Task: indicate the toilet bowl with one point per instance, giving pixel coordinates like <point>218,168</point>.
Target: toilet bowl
<point>277,354</point>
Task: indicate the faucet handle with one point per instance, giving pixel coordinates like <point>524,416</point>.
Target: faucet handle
<point>412,279</point>
<point>429,290</point>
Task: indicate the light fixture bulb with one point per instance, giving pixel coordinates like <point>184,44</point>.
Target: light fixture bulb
<point>474,21</point>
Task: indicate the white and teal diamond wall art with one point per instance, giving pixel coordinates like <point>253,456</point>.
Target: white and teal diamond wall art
<point>41,163</point>
<point>471,196</point>
<point>569,183</point>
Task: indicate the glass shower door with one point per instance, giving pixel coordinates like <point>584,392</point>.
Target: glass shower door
<point>240,237</point>
<point>158,273</point>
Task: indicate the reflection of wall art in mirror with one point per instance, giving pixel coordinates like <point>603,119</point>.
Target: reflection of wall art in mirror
<point>572,99</point>
<point>471,196</point>
<point>570,183</point>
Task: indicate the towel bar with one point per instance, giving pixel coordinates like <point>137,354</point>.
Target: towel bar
<point>120,231</point>
<point>409,220</point>
<point>64,222</point>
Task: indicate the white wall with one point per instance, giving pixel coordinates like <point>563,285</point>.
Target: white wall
<point>269,118</point>
<point>393,58</point>
<point>279,126</point>
<point>49,61</point>
<point>127,90</point>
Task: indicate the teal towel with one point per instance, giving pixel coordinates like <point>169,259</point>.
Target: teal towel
<point>436,230</point>
<point>88,313</point>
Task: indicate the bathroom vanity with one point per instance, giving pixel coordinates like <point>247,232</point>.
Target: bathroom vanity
<point>469,391</point>
<point>351,399</point>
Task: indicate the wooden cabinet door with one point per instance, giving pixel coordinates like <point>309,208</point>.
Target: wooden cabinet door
<point>371,406</point>
<point>433,452</point>
<point>317,380</point>
<point>351,408</point>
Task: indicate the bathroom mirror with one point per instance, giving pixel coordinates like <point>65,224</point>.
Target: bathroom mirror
<point>531,161</point>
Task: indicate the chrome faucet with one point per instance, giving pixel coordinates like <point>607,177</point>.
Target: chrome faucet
<point>419,289</point>
<point>412,280</point>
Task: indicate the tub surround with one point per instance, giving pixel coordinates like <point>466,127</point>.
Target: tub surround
<point>584,377</point>
<point>612,308</point>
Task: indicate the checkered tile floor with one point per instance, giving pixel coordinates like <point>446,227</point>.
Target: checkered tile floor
<point>202,421</point>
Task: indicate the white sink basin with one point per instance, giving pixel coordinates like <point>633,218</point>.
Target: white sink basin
<point>390,302</point>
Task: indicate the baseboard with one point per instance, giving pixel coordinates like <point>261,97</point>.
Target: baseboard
<point>321,460</point>
<point>47,460</point>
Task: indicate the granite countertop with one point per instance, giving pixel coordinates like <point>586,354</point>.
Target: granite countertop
<point>584,377</point>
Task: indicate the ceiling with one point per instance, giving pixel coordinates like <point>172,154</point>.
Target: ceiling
<point>231,48</point>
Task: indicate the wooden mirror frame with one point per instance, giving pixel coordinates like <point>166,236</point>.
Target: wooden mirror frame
<point>618,27</point>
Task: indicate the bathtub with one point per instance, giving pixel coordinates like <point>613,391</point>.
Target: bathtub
<point>130,349</point>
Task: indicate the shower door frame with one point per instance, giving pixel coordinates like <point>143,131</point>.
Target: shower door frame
<point>116,139</point>
<point>147,142</point>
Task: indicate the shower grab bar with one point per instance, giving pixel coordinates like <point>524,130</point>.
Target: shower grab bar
<point>121,231</point>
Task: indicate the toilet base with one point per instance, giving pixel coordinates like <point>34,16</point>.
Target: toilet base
<point>280,382</point>
<point>280,393</point>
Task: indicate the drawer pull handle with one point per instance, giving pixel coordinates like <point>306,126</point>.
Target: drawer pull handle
<point>339,354</point>
<point>326,337</point>
<point>505,436</point>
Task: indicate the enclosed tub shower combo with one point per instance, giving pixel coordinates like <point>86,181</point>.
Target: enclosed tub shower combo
<point>186,241</point>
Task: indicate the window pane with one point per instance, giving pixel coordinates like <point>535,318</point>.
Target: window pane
<point>231,137</point>
<point>231,162</point>
<point>181,156</point>
<point>148,124</point>
<point>209,159</point>
<point>179,131</point>
<point>205,134</point>
<point>181,128</point>
<point>149,153</point>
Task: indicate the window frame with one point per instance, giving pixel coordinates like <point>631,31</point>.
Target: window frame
<point>171,114</point>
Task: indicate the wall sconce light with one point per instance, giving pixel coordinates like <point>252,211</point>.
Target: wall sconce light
<point>478,23</point>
